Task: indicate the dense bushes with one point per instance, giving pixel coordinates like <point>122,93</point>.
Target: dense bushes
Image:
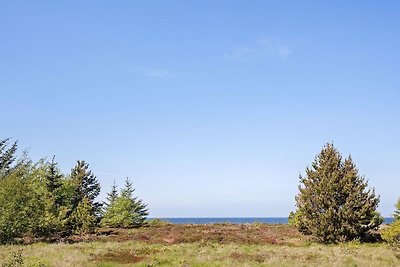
<point>36,199</point>
<point>334,203</point>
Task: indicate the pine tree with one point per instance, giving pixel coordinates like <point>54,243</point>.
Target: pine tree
<point>112,196</point>
<point>128,189</point>
<point>85,183</point>
<point>83,217</point>
<point>53,179</point>
<point>125,211</point>
<point>139,209</point>
<point>85,189</point>
<point>7,156</point>
<point>334,203</point>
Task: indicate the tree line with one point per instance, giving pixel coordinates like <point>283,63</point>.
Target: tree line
<point>334,203</point>
<point>37,199</point>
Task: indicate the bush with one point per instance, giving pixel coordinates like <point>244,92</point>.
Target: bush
<point>391,233</point>
<point>396,214</point>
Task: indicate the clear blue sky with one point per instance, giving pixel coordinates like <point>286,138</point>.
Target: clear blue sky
<point>213,108</point>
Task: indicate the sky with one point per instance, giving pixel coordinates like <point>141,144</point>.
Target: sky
<point>212,108</point>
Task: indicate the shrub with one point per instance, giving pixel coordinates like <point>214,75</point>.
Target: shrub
<point>396,214</point>
<point>391,233</point>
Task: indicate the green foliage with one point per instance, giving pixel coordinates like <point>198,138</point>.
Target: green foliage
<point>156,222</point>
<point>7,156</point>
<point>391,233</point>
<point>37,200</point>
<point>22,206</point>
<point>15,260</point>
<point>54,182</point>
<point>397,211</point>
<point>85,185</point>
<point>125,211</point>
<point>84,221</point>
<point>295,219</point>
<point>334,203</point>
<point>112,196</point>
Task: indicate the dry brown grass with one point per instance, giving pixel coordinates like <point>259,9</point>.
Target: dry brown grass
<point>221,233</point>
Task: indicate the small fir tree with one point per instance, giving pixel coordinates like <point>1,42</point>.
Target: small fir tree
<point>334,203</point>
<point>83,218</point>
<point>125,211</point>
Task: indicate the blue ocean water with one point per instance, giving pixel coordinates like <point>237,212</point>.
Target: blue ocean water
<point>236,220</point>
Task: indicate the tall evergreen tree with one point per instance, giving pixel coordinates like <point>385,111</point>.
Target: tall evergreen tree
<point>54,181</point>
<point>7,156</point>
<point>85,182</point>
<point>86,188</point>
<point>112,196</point>
<point>334,203</point>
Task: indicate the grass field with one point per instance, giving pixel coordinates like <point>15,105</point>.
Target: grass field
<point>200,245</point>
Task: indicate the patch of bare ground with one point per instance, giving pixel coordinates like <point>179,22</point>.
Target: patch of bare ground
<point>125,256</point>
<point>122,256</point>
<point>245,257</point>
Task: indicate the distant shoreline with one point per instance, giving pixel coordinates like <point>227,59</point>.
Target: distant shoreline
<point>233,220</point>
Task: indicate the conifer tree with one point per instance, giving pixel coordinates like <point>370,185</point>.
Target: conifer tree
<point>86,184</point>
<point>138,207</point>
<point>125,211</point>
<point>128,189</point>
<point>334,203</point>
<point>53,179</point>
<point>85,190</point>
<point>7,156</point>
<point>84,218</point>
<point>112,196</point>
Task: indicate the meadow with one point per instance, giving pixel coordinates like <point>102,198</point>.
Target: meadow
<point>197,245</point>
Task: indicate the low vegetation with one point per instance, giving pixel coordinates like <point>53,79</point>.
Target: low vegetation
<point>48,218</point>
<point>200,245</point>
<point>391,233</point>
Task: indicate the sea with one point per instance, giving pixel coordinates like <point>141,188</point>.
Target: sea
<point>236,220</point>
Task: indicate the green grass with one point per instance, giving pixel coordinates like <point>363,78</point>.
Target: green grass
<point>129,249</point>
<point>204,254</point>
